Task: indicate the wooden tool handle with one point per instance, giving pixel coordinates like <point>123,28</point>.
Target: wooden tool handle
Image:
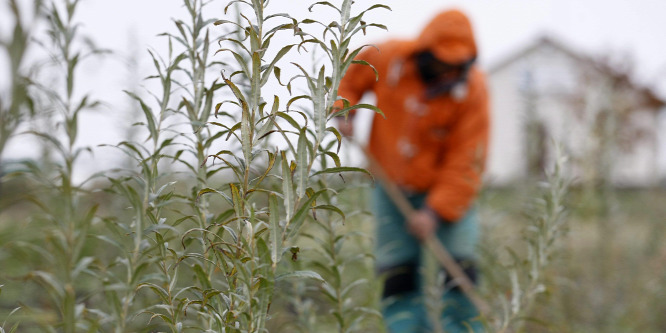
<point>431,242</point>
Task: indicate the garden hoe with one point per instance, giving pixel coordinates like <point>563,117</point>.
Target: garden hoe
<point>431,242</point>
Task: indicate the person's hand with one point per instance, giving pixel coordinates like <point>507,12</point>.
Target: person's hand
<point>422,224</point>
<point>346,126</point>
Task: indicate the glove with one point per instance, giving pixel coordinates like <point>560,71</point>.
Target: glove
<point>423,223</point>
<point>346,125</point>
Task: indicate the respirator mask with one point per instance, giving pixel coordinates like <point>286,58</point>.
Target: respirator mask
<point>442,78</point>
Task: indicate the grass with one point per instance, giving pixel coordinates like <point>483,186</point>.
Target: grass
<point>592,291</point>
<point>601,282</point>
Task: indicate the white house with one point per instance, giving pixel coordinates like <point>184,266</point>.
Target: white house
<point>547,92</point>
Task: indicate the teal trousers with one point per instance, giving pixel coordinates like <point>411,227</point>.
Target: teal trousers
<point>405,311</point>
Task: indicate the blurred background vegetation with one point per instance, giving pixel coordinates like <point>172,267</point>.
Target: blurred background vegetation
<point>609,275</point>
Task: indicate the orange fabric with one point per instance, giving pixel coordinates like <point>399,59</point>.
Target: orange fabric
<point>437,145</point>
<point>449,36</point>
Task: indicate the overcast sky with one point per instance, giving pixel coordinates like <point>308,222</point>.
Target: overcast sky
<point>625,29</point>
<point>620,28</point>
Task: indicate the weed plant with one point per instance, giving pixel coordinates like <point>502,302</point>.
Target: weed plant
<point>435,288</point>
<point>16,104</point>
<point>338,252</point>
<point>250,260</point>
<point>63,218</point>
<point>527,273</point>
<point>176,263</point>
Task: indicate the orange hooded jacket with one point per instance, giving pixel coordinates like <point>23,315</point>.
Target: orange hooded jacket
<point>433,145</point>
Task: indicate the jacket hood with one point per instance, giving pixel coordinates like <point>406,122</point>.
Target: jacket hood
<point>450,37</point>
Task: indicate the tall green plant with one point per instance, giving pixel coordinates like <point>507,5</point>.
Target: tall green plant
<point>197,106</point>
<point>176,258</point>
<point>249,245</point>
<point>64,219</point>
<point>16,104</point>
<point>547,226</point>
<point>335,262</point>
<point>146,260</point>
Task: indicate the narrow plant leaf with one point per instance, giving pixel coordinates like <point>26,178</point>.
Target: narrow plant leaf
<point>287,187</point>
<point>300,275</point>
<point>335,157</point>
<point>246,135</point>
<point>237,200</point>
<point>302,164</point>
<point>283,51</point>
<point>319,106</point>
<point>354,107</point>
<point>271,163</point>
<point>332,209</point>
<point>294,99</point>
<point>289,119</point>
<point>275,230</point>
<point>148,113</point>
<point>205,191</point>
<point>342,169</point>
<point>338,137</point>
<point>297,221</point>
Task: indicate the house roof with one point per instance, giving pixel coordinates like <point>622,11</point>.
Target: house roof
<point>620,77</point>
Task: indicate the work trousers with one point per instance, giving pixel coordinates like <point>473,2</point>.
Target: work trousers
<point>398,256</point>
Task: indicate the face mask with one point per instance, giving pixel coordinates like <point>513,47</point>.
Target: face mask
<point>440,77</point>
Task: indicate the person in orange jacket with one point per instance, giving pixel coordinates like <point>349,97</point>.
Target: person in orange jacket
<point>432,144</point>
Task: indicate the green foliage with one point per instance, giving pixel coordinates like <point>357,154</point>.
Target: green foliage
<point>236,213</point>
<point>527,273</point>
<point>197,229</point>
<point>250,243</point>
<point>17,104</point>
<point>63,220</point>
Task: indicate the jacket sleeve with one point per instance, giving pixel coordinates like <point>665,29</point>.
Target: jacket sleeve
<point>459,178</point>
<point>359,78</point>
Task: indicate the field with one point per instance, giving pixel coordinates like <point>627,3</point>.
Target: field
<point>231,210</point>
<point>607,275</point>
